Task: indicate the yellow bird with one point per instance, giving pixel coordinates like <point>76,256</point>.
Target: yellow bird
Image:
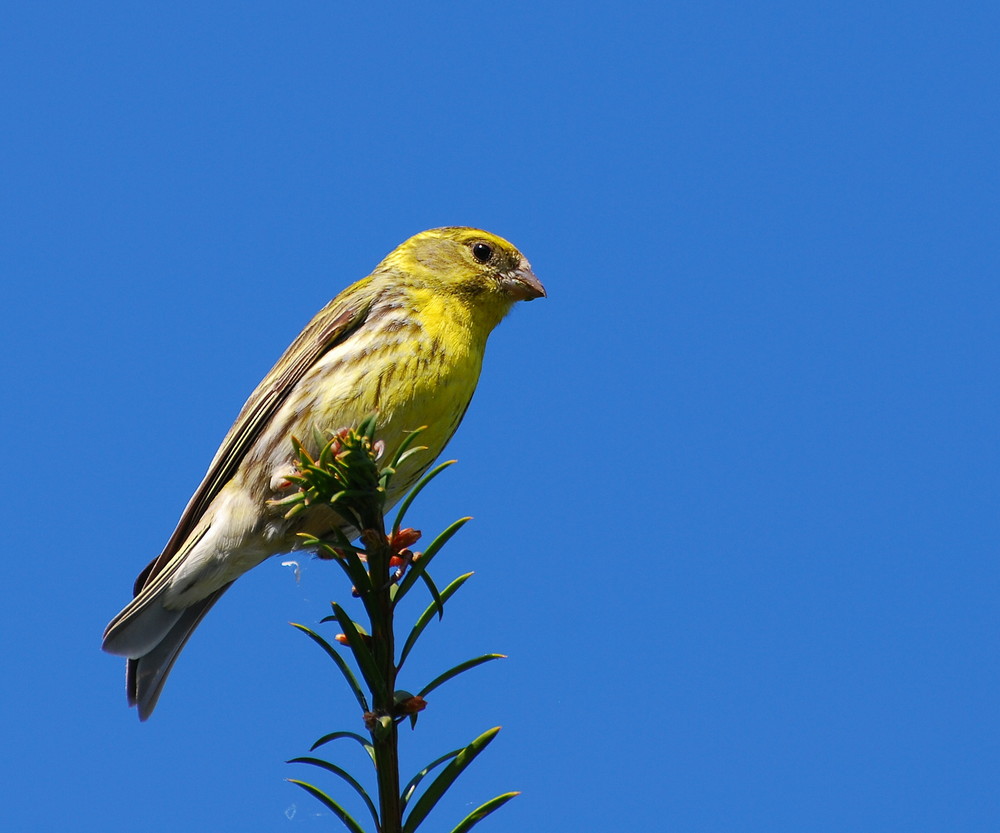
<point>405,343</point>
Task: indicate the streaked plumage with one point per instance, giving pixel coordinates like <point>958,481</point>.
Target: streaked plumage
<point>406,343</point>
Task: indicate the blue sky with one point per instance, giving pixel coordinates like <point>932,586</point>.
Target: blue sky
<point>734,482</point>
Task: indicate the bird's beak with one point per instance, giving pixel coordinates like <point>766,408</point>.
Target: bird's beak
<point>522,285</point>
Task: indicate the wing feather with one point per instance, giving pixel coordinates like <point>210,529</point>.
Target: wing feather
<point>331,326</point>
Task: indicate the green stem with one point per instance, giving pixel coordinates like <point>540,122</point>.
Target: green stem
<point>385,736</point>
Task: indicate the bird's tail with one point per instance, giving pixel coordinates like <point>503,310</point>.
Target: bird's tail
<point>151,635</point>
<point>145,675</point>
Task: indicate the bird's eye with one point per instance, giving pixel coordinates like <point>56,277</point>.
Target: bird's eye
<point>482,252</point>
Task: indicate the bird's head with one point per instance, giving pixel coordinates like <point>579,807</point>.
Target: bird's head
<point>473,265</point>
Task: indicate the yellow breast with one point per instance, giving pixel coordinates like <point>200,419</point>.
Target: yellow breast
<point>410,375</point>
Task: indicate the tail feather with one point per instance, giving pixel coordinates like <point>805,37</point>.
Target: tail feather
<point>144,621</point>
<point>146,674</point>
<point>142,629</point>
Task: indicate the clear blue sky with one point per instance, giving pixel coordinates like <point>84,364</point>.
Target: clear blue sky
<point>735,481</point>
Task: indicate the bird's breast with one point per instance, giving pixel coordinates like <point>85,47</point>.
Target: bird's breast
<point>408,376</point>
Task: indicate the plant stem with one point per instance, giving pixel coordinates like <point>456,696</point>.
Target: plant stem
<point>384,737</point>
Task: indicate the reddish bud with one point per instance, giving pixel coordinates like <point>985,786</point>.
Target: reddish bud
<point>404,538</point>
<point>412,705</point>
<point>405,557</point>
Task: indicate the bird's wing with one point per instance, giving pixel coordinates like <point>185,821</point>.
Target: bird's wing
<point>332,325</point>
